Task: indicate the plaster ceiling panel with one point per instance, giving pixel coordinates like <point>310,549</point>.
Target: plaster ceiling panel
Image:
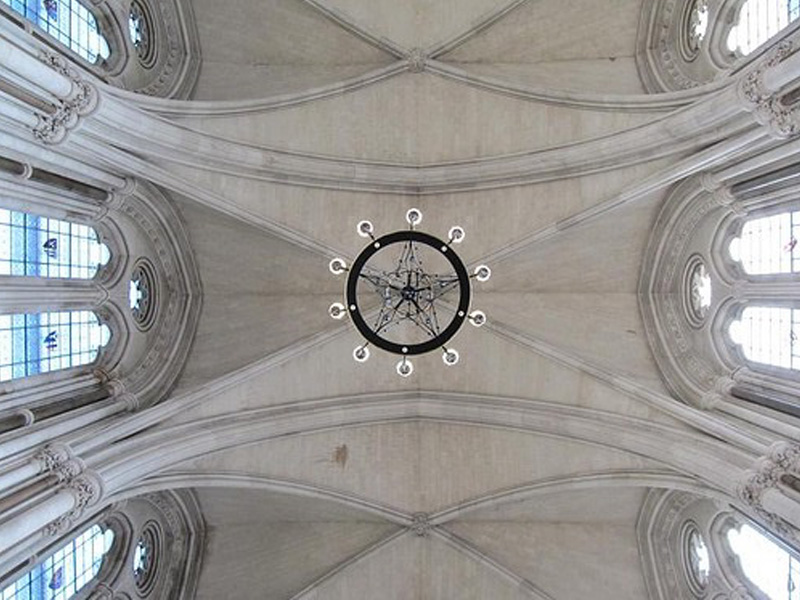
<point>418,466</point>
<point>392,572</point>
<point>255,299</point>
<point>570,561</point>
<point>501,219</point>
<point>603,328</point>
<point>602,255</point>
<point>598,505</point>
<point>489,366</point>
<point>409,118</point>
<point>264,559</point>
<point>264,47</point>
<point>617,75</point>
<point>554,30</point>
<point>416,23</point>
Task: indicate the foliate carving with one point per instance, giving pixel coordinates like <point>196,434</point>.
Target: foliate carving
<point>87,489</point>
<point>420,524</point>
<point>417,60</point>
<point>767,472</point>
<point>58,460</point>
<point>53,128</point>
<point>783,120</point>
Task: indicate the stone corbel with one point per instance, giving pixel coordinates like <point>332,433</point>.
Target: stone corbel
<point>82,100</point>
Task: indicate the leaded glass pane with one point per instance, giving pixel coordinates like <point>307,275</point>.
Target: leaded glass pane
<point>759,20</point>
<point>768,335</point>
<point>44,342</point>
<point>68,21</point>
<point>64,573</point>
<point>36,246</point>
<point>769,245</point>
<point>766,564</point>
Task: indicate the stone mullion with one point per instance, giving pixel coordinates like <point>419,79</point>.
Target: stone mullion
<point>41,294</point>
<point>23,194</point>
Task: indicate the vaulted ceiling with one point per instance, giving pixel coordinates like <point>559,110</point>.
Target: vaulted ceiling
<point>520,472</point>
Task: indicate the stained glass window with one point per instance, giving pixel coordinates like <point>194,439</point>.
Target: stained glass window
<point>68,21</point>
<point>40,343</point>
<point>699,563</point>
<point>759,20</point>
<point>769,244</point>
<point>768,335</point>
<point>66,571</point>
<point>41,247</point>
<point>769,566</point>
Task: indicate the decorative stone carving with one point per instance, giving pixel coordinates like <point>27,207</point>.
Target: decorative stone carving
<point>87,489</point>
<point>53,128</point>
<point>417,60</point>
<point>420,524</point>
<point>58,460</point>
<point>783,120</point>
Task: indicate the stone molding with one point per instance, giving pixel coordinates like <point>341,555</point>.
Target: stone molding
<point>53,128</point>
<point>421,524</point>
<point>58,460</point>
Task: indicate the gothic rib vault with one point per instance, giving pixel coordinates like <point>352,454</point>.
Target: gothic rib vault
<point>520,473</point>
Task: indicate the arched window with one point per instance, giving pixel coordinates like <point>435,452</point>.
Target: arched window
<point>68,21</point>
<point>44,342</point>
<point>36,246</point>
<point>768,335</point>
<point>769,566</point>
<point>769,244</point>
<point>759,20</point>
<point>66,571</point>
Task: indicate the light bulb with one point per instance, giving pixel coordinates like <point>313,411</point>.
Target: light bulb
<point>365,229</point>
<point>337,310</point>
<point>456,234</point>
<point>450,357</point>
<point>405,368</point>
<point>482,273</point>
<point>337,266</point>
<point>414,216</point>
<point>477,318</point>
<point>361,354</point>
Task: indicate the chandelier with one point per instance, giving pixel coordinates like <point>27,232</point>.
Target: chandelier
<point>408,293</point>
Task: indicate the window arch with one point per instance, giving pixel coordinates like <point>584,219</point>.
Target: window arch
<point>773,569</point>
<point>65,572</point>
<point>36,246</point>
<point>42,342</point>
<point>769,245</point>
<point>768,335</point>
<point>67,21</point>
<point>758,21</point>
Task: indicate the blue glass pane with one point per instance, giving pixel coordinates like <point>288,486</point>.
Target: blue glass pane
<point>68,21</point>
<point>40,343</point>
<point>63,574</point>
<point>40,247</point>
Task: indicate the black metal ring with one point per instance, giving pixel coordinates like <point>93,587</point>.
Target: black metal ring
<point>376,246</point>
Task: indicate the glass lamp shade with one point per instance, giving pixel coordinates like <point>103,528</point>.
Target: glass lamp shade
<point>414,216</point>
<point>337,310</point>
<point>361,354</point>
<point>450,357</point>
<point>405,368</point>
<point>337,266</point>
<point>365,229</point>
<point>477,318</point>
<point>456,234</point>
<point>482,273</point>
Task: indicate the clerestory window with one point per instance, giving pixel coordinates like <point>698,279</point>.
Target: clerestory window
<point>67,21</point>
<point>768,565</point>
<point>67,571</point>
<point>768,335</point>
<point>36,246</point>
<point>759,20</point>
<point>768,245</point>
<point>31,344</point>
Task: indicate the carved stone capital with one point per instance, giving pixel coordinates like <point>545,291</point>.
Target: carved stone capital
<point>86,489</point>
<point>420,524</point>
<point>417,60</point>
<point>52,128</point>
<point>786,456</point>
<point>58,460</point>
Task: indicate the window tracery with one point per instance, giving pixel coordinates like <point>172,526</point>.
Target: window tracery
<point>43,342</point>
<point>36,246</point>
<point>65,572</point>
<point>67,21</point>
<point>758,21</point>
<point>768,245</point>
<point>767,335</point>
